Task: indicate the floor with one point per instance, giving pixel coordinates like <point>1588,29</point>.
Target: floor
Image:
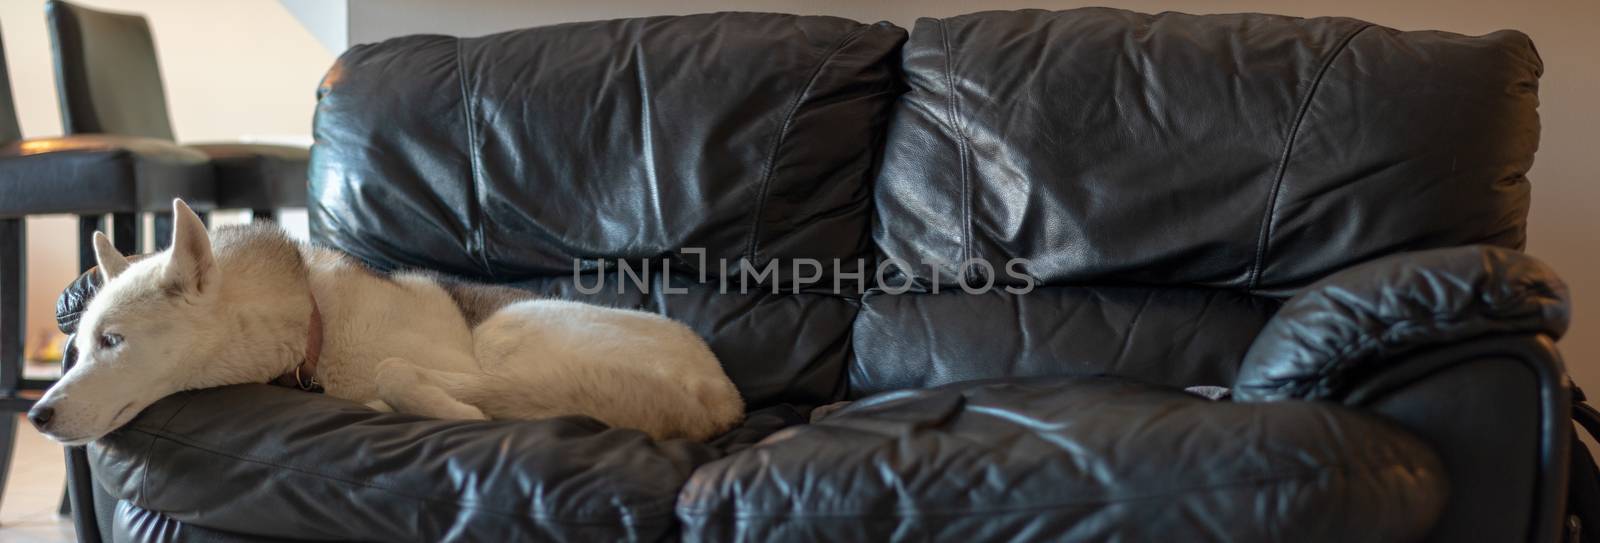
<point>38,477</point>
<point>28,509</point>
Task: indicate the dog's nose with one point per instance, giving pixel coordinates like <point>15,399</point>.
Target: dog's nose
<point>40,416</point>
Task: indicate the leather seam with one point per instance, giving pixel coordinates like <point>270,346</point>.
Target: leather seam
<point>474,200</point>
<point>149,454</point>
<point>637,511</point>
<point>953,103</point>
<point>768,167</point>
<point>1265,235</point>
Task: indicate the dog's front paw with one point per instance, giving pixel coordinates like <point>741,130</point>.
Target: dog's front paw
<point>379,406</point>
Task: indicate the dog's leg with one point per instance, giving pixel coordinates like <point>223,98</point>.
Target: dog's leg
<point>406,389</point>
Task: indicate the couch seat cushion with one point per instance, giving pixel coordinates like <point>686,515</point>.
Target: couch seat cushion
<point>1073,459</point>
<point>259,460</point>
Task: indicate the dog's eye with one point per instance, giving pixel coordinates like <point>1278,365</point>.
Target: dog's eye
<point>109,340</point>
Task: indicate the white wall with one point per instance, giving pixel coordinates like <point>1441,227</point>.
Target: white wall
<point>240,69</point>
<point>327,20</point>
<point>246,67</point>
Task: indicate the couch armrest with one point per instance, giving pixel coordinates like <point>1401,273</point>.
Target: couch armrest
<point>1354,323</point>
<point>75,299</point>
<point>1496,409</point>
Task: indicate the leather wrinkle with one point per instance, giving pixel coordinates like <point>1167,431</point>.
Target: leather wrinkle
<point>1373,338</point>
<point>1127,336</point>
<point>1288,148</point>
<point>975,511</point>
<point>1172,352</point>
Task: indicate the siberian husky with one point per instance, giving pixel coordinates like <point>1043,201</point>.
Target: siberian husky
<point>250,305</point>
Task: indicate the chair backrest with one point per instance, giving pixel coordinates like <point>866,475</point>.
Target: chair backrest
<point>107,76</point>
<point>10,131</point>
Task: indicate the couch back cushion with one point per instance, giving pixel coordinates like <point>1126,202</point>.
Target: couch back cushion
<point>510,155</point>
<point>1170,336</point>
<point>1251,153</point>
<point>516,157</point>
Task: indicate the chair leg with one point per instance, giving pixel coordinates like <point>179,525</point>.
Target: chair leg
<point>80,481</point>
<point>13,303</point>
<point>87,226</point>
<point>80,490</point>
<point>13,307</point>
<point>163,230</point>
<point>125,230</point>
<point>8,445</point>
<point>79,498</point>
<point>65,507</point>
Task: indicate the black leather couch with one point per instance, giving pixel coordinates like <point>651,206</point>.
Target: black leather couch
<point>1321,216</point>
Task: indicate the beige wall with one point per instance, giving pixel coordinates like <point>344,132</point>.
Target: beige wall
<point>238,68</point>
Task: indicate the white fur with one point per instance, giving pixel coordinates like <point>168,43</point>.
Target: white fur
<point>192,319</point>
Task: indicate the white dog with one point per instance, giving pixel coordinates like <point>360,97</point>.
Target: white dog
<point>252,306</point>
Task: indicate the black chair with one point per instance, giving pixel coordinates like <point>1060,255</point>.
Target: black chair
<point>109,82</point>
<point>90,176</point>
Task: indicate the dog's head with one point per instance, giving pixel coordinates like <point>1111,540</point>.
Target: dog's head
<point>145,335</point>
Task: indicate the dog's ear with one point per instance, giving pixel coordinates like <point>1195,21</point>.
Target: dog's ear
<point>106,257</point>
<point>191,268</point>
